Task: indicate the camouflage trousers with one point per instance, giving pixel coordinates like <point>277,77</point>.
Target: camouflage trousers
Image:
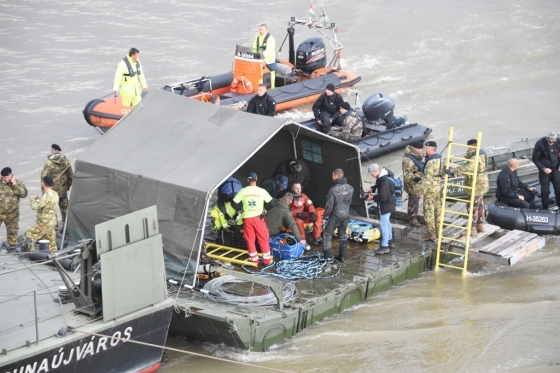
<point>413,203</point>
<point>478,210</point>
<point>43,231</point>
<point>11,221</point>
<point>344,136</point>
<point>432,211</point>
<point>63,205</point>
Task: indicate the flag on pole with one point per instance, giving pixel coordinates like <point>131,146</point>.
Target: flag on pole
<point>311,12</point>
<point>324,18</point>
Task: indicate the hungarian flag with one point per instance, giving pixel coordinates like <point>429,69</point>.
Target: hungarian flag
<point>323,17</point>
<point>311,12</point>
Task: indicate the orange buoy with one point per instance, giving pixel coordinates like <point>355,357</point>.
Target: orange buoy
<point>243,84</point>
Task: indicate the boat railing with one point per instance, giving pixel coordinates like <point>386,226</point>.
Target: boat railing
<point>25,323</point>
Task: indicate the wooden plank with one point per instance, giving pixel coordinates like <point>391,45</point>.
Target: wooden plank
<point>503,242</point>
<point>520,244</point>
<point>489,230</point>
<point>532,246</point>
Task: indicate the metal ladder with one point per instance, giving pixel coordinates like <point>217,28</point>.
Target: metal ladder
<point>470,202</point>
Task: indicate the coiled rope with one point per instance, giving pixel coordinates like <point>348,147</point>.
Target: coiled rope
<point>307,267</point>
<point>214,290</point>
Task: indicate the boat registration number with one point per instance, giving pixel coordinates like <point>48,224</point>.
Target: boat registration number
<point>536,218</point>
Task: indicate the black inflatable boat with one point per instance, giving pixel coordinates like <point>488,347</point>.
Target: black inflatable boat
<point>534,220</point>
<point>383,131</point>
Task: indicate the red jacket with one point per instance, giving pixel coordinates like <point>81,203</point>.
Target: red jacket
<point>302,204</point>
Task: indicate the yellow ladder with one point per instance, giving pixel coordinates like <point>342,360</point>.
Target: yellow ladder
<point>229,254</point>
<point>470,201</point>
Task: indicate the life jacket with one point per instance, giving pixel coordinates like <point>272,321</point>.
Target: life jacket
<point>419,165</point>
<point>264,42</point>
<point>226,191</point>
<point>131,72</point>
<point>433,156</point>
<point>483,171</point>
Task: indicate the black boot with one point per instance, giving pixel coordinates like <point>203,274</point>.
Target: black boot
<point>327,254</point>
<point>342,247</point>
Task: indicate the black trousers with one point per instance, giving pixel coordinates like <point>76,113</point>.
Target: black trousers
<point>325,118</point>
<point>545,180</point>
<point>527,203</point>
<point>342,225</point>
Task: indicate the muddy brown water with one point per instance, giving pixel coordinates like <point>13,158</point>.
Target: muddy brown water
<point>476,66</point>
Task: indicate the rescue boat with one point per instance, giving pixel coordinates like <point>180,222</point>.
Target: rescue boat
<point>383,131</point>
<point>297,81</point>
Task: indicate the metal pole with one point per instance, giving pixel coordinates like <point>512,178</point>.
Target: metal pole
<point>36,318</point>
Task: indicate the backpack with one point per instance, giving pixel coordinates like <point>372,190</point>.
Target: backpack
<point>226,191</point>
<point>398,189</point>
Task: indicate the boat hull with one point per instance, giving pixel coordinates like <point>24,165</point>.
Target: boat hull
<point>92,354</point>
<point>531,220</point>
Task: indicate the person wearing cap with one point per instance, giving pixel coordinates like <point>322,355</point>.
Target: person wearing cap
<point>45,225</point>
<point>352,126</point>
<point>305,213</point>
<point>11,191</point>
<point>431,190</point>
<point>383,192</point>
<point>480,188</point>
<point>60,169</point>
<point>279,218</point>
<point>295,170</point>
<point>277,186</point>
<point>262,103</point>
<point>546,157</point>
<point>412,166</point>
<point>251,201</point>
<point>327,109</point>
<point>337,214</point>
<point>512,191</point>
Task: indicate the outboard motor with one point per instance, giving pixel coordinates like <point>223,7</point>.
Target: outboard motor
<point>311,55</point>
<point>378,109</point>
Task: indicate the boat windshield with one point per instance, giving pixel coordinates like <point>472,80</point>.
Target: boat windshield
<point>248,52</point>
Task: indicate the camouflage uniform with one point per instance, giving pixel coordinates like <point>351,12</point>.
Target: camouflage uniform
<point>9,208</point>
<point>45,226</point>
<point>431,190</point>
<point>351,129</point>
<point>59,168</point>
<point>413,188</point>
<point>481,187</point>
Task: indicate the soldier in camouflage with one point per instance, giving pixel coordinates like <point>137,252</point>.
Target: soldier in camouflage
<point>431,190</point>
<point>412,167</point>
<point>352,126</point>
<point>11,190</point>
<point>45,225</point>
<point>59,168</point>
<point>481,187</point>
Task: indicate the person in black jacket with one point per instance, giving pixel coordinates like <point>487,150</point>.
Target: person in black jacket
<point>337,214</point>
<point>545,157</point>
<point>296,170</point>
<point>511,190</point>
<point>327,109</point>
<point>262,103</point>
<point>385,198</point>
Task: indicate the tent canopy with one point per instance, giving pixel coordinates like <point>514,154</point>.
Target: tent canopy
<point>174,152</point>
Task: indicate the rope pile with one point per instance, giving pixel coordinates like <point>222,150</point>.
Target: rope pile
<point>214,290</point>
<point>306,267</point>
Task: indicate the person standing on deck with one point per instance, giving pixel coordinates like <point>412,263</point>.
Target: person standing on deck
<point>252,200</point>
<point>45,225</point>
<point>60,169</point>
<point>546,157</point>
<point>337,214</point>
<point>412,166</point>
<point>384,190</point>
<point>431,190</point>
<point>266,44</point>
<point>11,190</point>
<point>481,187</point>
<point>129,80</point>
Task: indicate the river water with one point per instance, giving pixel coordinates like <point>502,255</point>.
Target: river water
<point>489,66</point>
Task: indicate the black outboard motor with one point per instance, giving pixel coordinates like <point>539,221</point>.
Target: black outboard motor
<point>311,55</point>
<point>378,109</point>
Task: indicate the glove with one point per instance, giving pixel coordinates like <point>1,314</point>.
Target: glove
<point>416,179</point>
<point>232,222</point>
<point>448,172</point>
<point>312,217</point>
<point>263,215</point>
<point>324,225</point>
<point>301,216</point>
